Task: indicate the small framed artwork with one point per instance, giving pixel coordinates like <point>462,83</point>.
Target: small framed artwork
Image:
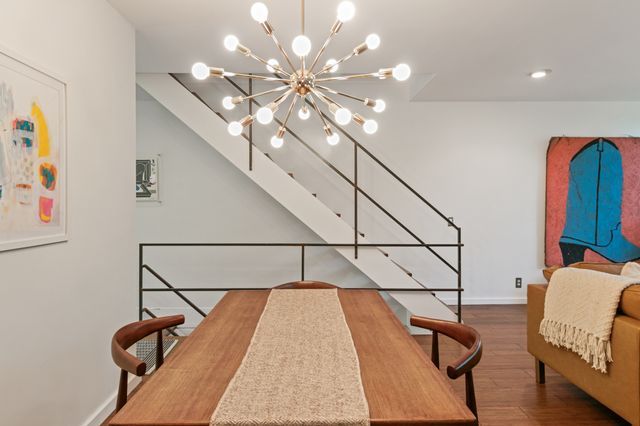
<point>147,183</point>
<point>33,147</point>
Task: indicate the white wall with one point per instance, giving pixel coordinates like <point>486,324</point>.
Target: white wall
<point>484,164</point>
<point>481,162</point>
<point>61,303</point>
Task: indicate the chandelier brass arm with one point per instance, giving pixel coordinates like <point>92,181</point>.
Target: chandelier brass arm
<point>273,37</point>
<point>276,67</point>
<point>334,30</point>
<point>239,99</point>
<point>346,95</point>
<point>349,77</point>
<point>253,76</point>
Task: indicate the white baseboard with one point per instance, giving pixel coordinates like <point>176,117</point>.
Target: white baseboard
<point>98,417</point>
<point>102,412</point>
<point>487,301</point>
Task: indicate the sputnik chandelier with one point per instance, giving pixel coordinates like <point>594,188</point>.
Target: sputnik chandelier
<point>303,82</point>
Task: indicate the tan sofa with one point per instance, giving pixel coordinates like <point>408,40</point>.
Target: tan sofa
<point>619,389</point>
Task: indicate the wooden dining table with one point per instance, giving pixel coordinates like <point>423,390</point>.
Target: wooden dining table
<point>401,384</point>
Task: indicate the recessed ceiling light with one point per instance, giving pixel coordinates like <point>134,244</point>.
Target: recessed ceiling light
<point>540,74</point>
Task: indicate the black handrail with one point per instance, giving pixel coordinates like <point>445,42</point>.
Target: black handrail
<point>301,245</point>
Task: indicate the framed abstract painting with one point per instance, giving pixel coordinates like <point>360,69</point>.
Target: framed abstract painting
<point>593,200</point>
<point>33,147</point>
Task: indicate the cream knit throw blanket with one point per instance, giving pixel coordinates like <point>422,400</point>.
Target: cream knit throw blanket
<point>579,310</point>
<point>301,367</point>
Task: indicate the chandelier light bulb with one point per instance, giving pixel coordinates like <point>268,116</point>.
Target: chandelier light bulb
<point>227,103</point>
<point>301,45</point>
<point>304,113</point>
<point>259,12</point>
<point>231,42</point>
<point>333,139</point>
<point>380,105</point>
<point>343,116</point>
<point>234,128</point>
<point>200,71</point>
<point>332,63</point>
<point>272,63</point>
<point>276,142</point>
<point>264,115</point>
<point>370,127</point>
<point>401,72</point>
<point>346,11</point>
<point>372,41</point>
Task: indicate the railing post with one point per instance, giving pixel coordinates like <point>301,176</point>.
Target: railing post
<point>251,127</point>
<point>140,279</point>
<point>355,199</point>
<point>459,274</point>
<point>301,262</point>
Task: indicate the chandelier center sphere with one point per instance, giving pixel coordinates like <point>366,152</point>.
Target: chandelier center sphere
<point>302,82</point>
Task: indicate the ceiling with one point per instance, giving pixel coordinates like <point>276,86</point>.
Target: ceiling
<point>459,50</point>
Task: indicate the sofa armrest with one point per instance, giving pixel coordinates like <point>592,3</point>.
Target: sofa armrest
<point>535,311</point>
<point>619,389</point>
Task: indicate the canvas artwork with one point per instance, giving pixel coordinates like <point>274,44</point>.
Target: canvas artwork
<point>593,200</point>
<point>147,179</point>
<point>32,156</point>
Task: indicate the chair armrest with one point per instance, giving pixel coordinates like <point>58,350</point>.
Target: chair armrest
<point>463,334</point>
<point>130,334</point>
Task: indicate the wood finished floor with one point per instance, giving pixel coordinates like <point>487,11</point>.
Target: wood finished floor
<point>506,391</point>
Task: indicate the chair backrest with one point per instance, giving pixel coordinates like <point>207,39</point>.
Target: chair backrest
<point>132,333</point>
<point>306,285</point>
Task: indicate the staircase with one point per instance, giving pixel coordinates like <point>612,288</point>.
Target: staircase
<point>306,206</point>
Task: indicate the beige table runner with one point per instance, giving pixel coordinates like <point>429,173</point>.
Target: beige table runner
<point>301,367</point>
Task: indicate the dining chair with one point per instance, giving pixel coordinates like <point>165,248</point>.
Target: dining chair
<point>466,336</point>
<point>306,285</point>
<point>127,336</point>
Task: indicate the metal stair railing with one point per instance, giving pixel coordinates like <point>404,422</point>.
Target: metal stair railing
<point>178,291</point>
<point>457,269</point>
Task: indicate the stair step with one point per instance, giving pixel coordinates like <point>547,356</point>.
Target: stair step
<point>315,195</point>
<point>406,271</point>
<point>266,154</point>
<point>339,214</point>
<point>361,234</point>
<point>291,174</point>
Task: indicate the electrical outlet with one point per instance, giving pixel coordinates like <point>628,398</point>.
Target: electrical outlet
<point>518,282</point>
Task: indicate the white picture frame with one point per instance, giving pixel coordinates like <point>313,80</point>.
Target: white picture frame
<point>33,155</point>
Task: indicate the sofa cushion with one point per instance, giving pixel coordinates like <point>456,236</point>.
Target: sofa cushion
<point>630,300</point>
<point>631,269</point>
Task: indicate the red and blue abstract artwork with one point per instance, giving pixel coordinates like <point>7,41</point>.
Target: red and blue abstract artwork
<point>593,200</point>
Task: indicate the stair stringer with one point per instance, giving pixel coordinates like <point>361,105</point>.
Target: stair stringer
<point>290,194</point>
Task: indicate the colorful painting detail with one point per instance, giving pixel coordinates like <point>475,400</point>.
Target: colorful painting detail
<point>48,175</point>
<point>147,179</point>
<point>593,200</point>
<point>32,156</point>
